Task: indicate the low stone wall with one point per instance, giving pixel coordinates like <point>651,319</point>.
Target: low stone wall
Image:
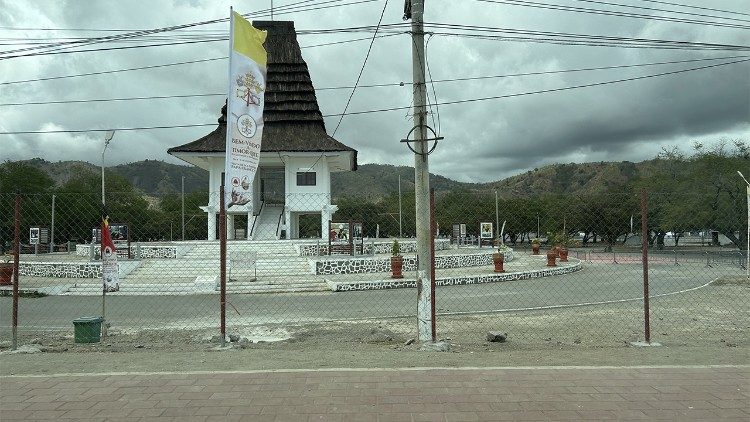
<point>381,247</point>
<point>454,281</point>
<point>360,265</point>
<point>72,270</point>
<point>60,269</point>
<point>136,251</point>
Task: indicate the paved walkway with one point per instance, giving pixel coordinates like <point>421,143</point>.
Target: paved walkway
<point>570,393</point>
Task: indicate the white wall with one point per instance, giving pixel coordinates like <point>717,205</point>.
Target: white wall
<point>307,198</point>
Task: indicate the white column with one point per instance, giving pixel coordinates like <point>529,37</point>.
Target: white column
<point>230,226</point>
<point>211,225</point>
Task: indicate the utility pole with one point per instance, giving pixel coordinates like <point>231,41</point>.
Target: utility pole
<point>421,173</point>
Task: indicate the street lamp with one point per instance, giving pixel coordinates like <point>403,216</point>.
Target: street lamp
<point>107,137</point>
<point>747,256</point>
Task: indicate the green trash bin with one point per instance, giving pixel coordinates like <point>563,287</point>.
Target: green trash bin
<point>87,329</point>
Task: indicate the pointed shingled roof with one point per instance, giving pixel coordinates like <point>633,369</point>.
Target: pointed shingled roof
<point>292,119</point>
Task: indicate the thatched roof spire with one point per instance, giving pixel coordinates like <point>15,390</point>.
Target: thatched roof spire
<point>293,121</point>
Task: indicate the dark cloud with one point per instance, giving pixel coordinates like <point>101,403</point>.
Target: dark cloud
<point>485,140</point>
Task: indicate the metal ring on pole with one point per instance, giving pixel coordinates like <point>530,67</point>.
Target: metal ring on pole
<point>434,138</point>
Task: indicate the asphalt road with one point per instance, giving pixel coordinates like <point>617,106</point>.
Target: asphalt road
<point>597,282</point>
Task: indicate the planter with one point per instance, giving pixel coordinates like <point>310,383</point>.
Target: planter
<point>6,273</point>
<point>397,264</point>
<point>498,259</point>
<point>551,257</point>
<point>535,248</point>
<point>87,329</point>
<point>562,252</point>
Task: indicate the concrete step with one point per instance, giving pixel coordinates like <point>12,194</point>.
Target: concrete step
<point>188,288</point>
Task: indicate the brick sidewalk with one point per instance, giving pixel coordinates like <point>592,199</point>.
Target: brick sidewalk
<point>647,393</point>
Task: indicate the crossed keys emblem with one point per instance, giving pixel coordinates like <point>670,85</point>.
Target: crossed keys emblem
<point>249,89</point>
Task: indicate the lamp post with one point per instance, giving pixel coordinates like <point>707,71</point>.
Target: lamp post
<point>107,137</point>
<point>747,253</point>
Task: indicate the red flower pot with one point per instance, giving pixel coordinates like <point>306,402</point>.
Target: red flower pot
<point>397,265</point>
<point>551,257</point>
<point>498,259</point>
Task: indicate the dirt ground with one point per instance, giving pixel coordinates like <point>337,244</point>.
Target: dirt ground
<point>709,326</point>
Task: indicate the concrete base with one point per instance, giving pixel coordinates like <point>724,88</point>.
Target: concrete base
<point>644,344</point>
<point>438,346</point>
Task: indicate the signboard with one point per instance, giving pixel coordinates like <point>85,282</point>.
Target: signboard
<point>357,235</point>
<point>119,232</point>
<point>339,232</point>
<point>463,230</point>
<point>456,231</point>
<point>485,230</point>
<point>34,236</point>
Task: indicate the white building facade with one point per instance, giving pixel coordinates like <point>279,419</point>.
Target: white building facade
<point>297,155</point>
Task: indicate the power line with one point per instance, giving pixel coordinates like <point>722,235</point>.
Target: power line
<point>37,132</point>
<point>550,6</point>
<point>174,64</point>
<point>521,94</point>
<point>471,78</point>
<point>61,47</point>
<point>544,91</point>
<point>662,10</point>
<point>695,7</point>
<point>364,63</point>
<point>573,38</point>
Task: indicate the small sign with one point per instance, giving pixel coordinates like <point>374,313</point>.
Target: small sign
<point>463,230</point>
<point>339,232</point>
<point>34,235</point>
<point>485,230</point>
<point>456,231</point>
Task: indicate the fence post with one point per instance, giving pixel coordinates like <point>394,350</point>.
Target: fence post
<point>223,262</point>
<point>675,257</point>
<point>644,253</point>
<point>16,259</point>
<point>432,264</point>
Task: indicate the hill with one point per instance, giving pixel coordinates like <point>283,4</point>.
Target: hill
<point>374,181</point>
<point>149,176</point>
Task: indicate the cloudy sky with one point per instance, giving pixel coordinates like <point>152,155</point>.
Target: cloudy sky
<point>484,140</point>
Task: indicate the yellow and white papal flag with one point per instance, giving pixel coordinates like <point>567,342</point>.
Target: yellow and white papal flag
<point>247,84</point>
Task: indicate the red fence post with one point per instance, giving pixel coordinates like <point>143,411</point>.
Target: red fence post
<point>16,259</point>
<point>644,253</point>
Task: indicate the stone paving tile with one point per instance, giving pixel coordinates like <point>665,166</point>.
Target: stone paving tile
<point>523,394</point>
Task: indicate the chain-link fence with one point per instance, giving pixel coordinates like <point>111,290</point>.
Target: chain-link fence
<point>544,270</point>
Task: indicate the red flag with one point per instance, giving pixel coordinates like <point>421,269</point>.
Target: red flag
<point>108,246</point>
<point>110,270</point>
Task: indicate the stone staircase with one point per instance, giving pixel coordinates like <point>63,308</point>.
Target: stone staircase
<point>278,268</point>
<point>267,222</point>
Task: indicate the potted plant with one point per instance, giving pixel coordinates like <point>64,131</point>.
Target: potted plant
<point>562,240</point>
<point>6,270</point>
<point>551,257</point>
<point>498,258</point>
<point>535,245</point>
<point>397,261</point>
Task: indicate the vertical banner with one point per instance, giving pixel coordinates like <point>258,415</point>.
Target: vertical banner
<point>110,270</point>
<point>247,84</point>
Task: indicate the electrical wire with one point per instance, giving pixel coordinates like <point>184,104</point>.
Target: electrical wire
<point>695,7</point>
<point>662,10</point>
<point>174,64</point>
<point>587,10</point>
<point>521,94</point>
<point>364,63</point>
<point>119,37</point>
<point>381,85</point>
<point>544,91</point>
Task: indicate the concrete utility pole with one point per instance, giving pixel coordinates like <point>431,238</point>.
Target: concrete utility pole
<point>421,173</point>
<point>183,207</point>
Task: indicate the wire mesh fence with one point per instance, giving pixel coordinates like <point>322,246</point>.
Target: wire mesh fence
<point>542,269</point>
